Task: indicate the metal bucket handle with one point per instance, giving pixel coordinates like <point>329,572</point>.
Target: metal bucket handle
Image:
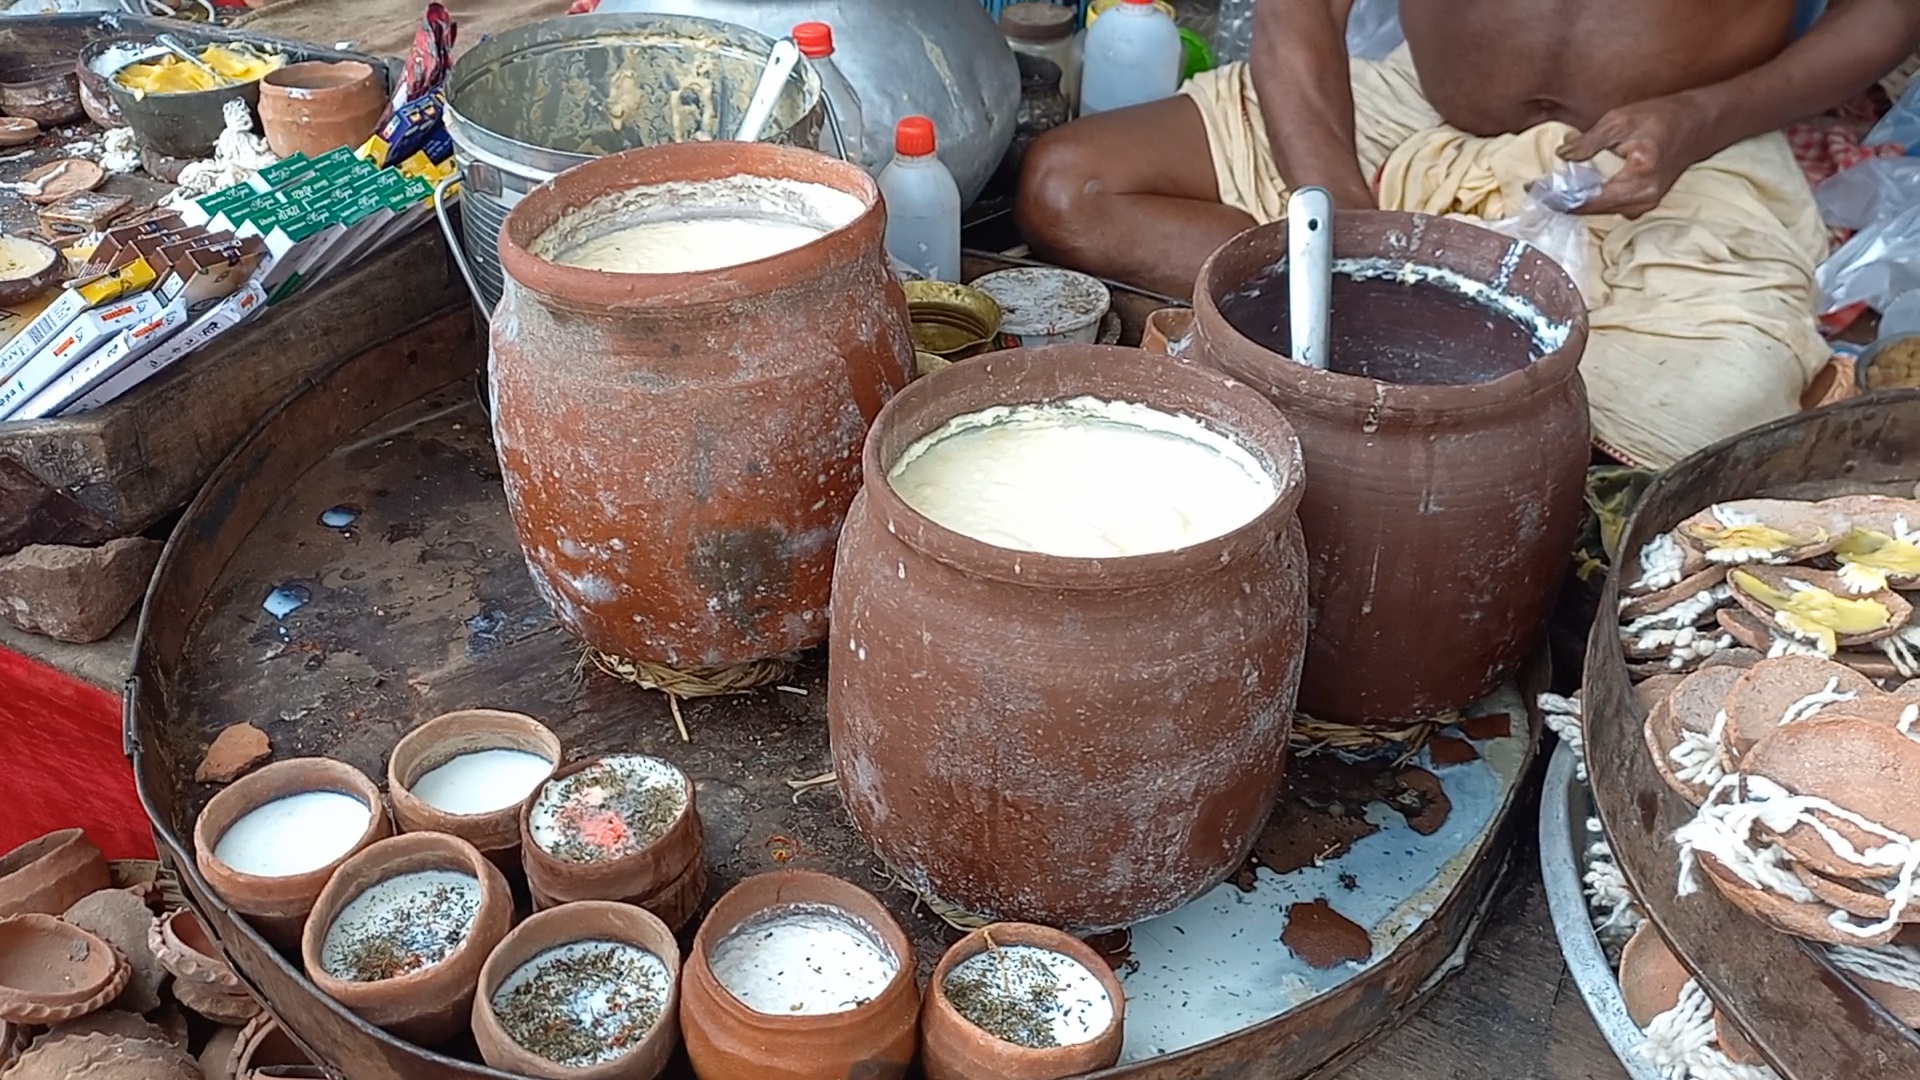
<point>482,162</point>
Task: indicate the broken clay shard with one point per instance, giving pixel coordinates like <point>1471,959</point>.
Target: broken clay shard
<point>237,749</point>
<point>1325,938</point>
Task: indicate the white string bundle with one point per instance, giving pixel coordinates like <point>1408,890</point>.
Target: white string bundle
<point>1697,755</point>
<point>1814,702</point>
<point>1723,828</point>
<point>1680,1043</point>
<point>1562,717</point>
<point>1662,563</point>
<point>1895,965</point>
<point>1610,904</point>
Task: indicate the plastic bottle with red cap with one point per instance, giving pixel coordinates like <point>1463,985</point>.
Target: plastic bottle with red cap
<point>1133,56</point>
<point>815,41</point>
<point>923,204</point>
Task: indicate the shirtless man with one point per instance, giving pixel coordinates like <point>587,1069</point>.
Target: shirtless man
<point>1677,101</point>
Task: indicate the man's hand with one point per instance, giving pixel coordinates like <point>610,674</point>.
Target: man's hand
<point>1659,139</point>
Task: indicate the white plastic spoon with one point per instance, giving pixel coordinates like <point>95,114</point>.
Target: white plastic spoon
<point>780,64</point>
<point>1310,274</point>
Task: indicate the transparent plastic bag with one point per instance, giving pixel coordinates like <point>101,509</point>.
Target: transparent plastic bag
<point>1901,125</point>
<point>1879,263</point>
<point>1547,221</point>
<point>1875,189</point>
<point>1373,29</point>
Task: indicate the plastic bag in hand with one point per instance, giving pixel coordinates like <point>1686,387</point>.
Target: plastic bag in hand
<point>1548,222</point>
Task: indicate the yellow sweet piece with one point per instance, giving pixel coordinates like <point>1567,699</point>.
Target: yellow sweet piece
<point>1869,547</point>
<point>1814,612</point>
<point>172,75</point>
<point>1743,537</point>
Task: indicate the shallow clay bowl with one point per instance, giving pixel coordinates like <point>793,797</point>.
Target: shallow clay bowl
<point>953,1048</point>
<point>1651,979</point>
<point>1775,689</point>
<point>17,131</point>
<point>430,1006</point>
<point>264,1044</point>
<point>278,906</point>
<point>215,1004</point>
<point>589,920</point>
<point>1882,514</point>
<point>1779,578</point>
<point>1748,630</point>
<point>51,971</point>
<point>1691,707</point>
<point>725,1038</point>
<point>49,875</point>
<point>47,94</point>
<point>104,1056</point>
<point>448,736</point>
<point>1667,599</point>
<point>1811,530</point>
<point>181,943</point>
<point>1790,917</point>
<point>1866,900</point>
<point>1867,766</point>
<point>19,257</point>
<point>631,877</point>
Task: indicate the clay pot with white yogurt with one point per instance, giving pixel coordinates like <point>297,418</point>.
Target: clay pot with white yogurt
<point>269,843</point>
<point>1069,614</point>
<point>621,827</point>
<point>586,991</point>
<point>1014,1001</point>
<point>468,774</point>
<point>692,342</point>
<point>1446,447</point>
<point>399,935</point>
<point>796,975</point>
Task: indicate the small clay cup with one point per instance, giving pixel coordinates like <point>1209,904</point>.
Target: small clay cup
<point>278,906</point>
<point>51,971</point>
<point>675,904</point>
<point>430,1006</point>
<point>49,875</point>
<point>632,878</point>
<point>443,738</point>
<point>316,106</point>
<point>264,1044</point>
<point>729,1041</point>
<point>1164,327</point>
<point>954,1048</point>
<point>48,94</point>
<point>181,943</point>
<point>588,920</point>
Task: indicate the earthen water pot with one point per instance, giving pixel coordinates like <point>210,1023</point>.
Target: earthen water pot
<point>317,106</point>
<point>278,906</point>
<point>634,877</point>
<point>1439,516</point>
<point>953,1048</point>
<point>590,920</point>
<point>431,1005</point>
<point>439,740</point>
<point>49,875</point>
<point>680,449</point>
<point>994,710</point>
<point>729,1041</point>
<point>51,972</point>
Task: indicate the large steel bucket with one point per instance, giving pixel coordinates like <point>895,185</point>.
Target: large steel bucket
<point>529,104</point>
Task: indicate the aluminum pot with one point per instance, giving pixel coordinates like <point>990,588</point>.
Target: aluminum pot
<point>943,59</point>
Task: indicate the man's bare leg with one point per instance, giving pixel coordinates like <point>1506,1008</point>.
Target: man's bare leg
<point>1128,195</point>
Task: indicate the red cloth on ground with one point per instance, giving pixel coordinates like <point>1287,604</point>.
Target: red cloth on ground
<point>62,764</point>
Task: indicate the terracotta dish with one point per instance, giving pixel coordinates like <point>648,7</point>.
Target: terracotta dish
<point>217,1005</point>
<point>104,1057</point>
<point>17,131</point>
<point>1809,529</point>
<point>431,1005</point>
<point>953,1048</point>
<point>729,1041</point>
<point>184,948</point>
<point>51,971</point>
<point>49,875</point>
<point>633,876</point>
<point>1823,757</point>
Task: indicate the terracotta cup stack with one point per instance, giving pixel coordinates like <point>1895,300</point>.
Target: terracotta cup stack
<point>202,979</point>
<point>664,872</point>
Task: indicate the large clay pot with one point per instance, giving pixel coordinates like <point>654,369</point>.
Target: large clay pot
<point>679,449</point>
<point>314,107</point>
<point>729,1041</point>
<point>431,1005</point>
<point>1121,722</point>
<point>1439,518</point>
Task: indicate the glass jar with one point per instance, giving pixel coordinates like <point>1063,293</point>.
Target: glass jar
<point>1044,31</point>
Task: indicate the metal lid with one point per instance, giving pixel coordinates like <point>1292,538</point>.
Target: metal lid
<point>1038,22</point>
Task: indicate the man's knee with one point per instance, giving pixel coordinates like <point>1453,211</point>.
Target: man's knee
<point>1059,177</point>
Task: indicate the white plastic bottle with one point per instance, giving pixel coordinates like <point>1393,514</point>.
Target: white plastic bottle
<point>1133,57</point>
<point>815,40</point>
<point>923,204</point>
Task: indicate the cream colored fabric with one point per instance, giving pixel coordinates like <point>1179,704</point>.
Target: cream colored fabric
<point>1702,314</point>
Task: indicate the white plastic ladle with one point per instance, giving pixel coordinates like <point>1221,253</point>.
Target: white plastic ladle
<point>780,64</point>
<point>1310,274</point>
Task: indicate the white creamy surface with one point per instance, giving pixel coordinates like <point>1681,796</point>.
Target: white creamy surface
<point>688,227</point>
<point>482,781</point>
<point>1083,478</point>
<point>803,960</point>
<point>598,785</point>
<point>597,1005</point>
<point>1084,1010</point>
<point>295,835</point>
<point>426,911</point>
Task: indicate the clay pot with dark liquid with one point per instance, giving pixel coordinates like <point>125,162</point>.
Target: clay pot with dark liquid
<point>1122,722</point>
<point>1446,448</point>
<point>680,449</point>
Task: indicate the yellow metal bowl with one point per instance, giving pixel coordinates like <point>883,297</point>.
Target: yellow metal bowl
<point>951,321</point>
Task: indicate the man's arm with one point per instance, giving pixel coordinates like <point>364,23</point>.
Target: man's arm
<point>1299,68</point>
<point>1854,44</point>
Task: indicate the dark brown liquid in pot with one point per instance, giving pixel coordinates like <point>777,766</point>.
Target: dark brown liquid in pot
<point>1418,334</point>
